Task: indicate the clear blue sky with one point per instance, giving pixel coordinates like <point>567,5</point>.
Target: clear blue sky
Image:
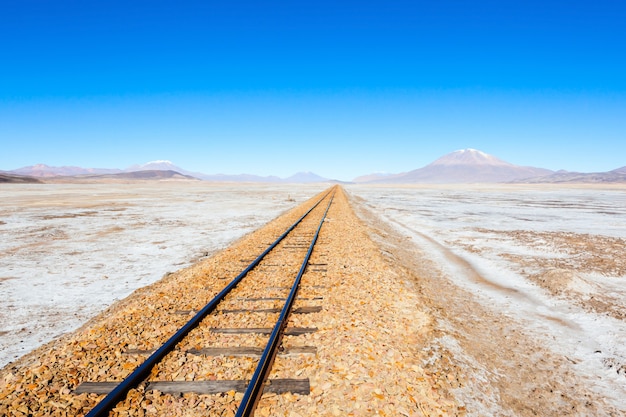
<point>338,88</point>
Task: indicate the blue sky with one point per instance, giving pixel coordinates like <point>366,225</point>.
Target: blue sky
<point>275,87</point>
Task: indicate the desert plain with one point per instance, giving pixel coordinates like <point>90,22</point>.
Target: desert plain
<point>520,288</point>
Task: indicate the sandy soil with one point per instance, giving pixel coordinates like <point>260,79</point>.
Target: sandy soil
<point>585,272</point>
<point>540,359</point>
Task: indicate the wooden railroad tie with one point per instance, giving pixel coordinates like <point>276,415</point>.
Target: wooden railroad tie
<point>289,331</point>
<point>299,310</point>
<point>278,299</point>
<point>301,287</point>
<point>277,386</point>
<point>234,351</point>
<point>251,351</point>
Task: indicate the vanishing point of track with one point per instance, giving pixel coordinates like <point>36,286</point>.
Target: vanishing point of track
<point>287,258</point>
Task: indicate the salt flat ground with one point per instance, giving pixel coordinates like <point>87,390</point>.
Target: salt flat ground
<point>526,284</point>
<point>531,281</point>
<point>68,251</point>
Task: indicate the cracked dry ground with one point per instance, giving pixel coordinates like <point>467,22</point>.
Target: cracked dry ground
<point>386,310</point>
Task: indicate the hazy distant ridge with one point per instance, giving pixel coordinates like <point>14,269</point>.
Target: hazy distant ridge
<point>462,166</point>
<point>378,176</point>
<point>150,170</point>
<point>43,171</point>
<point>615,176</point>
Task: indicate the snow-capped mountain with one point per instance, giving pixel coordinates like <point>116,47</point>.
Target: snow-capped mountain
<point>467,166</point>
<point>468,156</point>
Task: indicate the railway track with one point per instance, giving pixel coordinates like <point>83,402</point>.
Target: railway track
<point>243,327</point>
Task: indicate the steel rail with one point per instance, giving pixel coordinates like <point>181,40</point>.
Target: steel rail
<point>255,387</point>
<point>143,371</point>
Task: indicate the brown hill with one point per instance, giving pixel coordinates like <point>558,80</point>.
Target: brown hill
<point>149,175</point>
<point>17,179</point>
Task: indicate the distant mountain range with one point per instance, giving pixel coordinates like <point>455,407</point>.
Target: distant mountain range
<point>149,171</point>
<point>462,166</point>
<point>45,171</point>
<point>559,177</point>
